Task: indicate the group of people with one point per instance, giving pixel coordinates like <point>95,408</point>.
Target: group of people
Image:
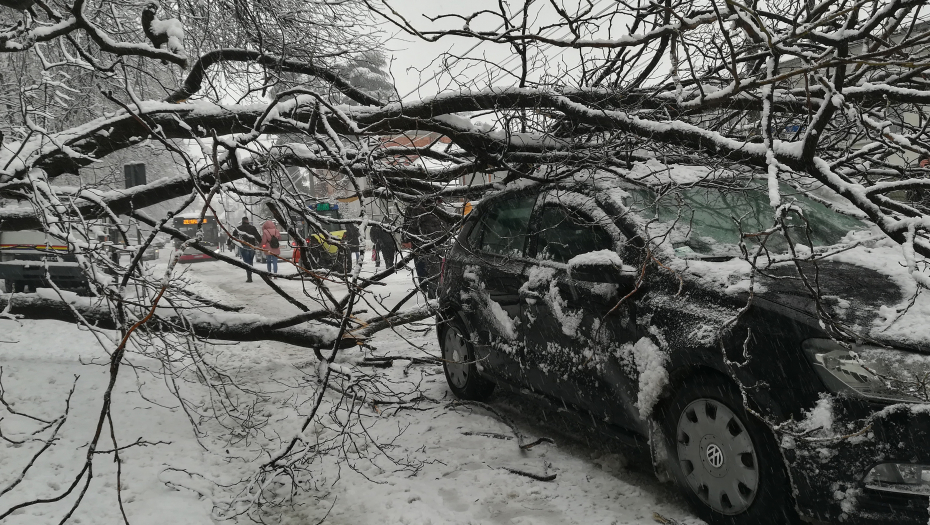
<point>248,239</point>
<point>383,243</point>
<point>422,231</point>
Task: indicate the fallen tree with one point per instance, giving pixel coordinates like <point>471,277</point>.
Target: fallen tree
<point>829,97</point>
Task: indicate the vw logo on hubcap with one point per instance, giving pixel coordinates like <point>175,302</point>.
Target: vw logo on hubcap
<point>714,456</point>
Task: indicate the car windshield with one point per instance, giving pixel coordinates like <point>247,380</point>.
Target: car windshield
<point>706,222</point>
<point>331,227</point>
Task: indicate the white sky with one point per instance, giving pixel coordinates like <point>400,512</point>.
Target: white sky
<point>409,55</point>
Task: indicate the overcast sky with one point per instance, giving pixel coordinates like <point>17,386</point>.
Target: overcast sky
<point>410,55</point>
<point>414,62</point>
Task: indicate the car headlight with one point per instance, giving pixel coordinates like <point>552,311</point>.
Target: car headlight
<point>909,478</point>
<point>875,373</point>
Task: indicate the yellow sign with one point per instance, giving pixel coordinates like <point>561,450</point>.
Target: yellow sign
<point>193,221</point>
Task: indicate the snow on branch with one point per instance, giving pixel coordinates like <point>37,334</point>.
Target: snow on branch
<point>195,79</point>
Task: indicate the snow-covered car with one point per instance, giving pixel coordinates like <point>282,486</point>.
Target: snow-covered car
<point>29,258</point>
<point>635,306</point>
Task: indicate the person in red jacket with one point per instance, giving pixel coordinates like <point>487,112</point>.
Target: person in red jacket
<point>272,248</point>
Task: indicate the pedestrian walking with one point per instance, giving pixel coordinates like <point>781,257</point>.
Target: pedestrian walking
<point>352,241</point>
<point>384,244</point>
<point>919,195</point>
<point>422,227</point>
<point>271,243</point>
<point>248,237</point>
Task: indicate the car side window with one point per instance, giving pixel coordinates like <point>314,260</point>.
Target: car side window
<point>563,234</point>
<point>474,229</point>
<point>503,226</point>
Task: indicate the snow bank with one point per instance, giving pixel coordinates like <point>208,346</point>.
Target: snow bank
<point>454,484</point>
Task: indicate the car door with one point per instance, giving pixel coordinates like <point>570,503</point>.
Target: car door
<point>493,277</point>
<point>575,330</point>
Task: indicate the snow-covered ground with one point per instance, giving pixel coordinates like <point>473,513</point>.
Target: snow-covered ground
<point>449,461</point>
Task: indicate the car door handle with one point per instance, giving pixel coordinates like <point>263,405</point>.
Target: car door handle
<point>502,297</point>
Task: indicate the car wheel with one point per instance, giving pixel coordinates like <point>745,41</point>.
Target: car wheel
<point>726,461</point>
<point>458,362</point>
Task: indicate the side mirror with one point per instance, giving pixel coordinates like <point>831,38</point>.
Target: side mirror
<point>604,266</point>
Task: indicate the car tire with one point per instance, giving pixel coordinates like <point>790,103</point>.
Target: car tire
<point>725,460</point>
<point>458,363</point>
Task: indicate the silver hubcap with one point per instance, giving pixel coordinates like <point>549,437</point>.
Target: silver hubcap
<point>717,456</point>
<point>454,354</point>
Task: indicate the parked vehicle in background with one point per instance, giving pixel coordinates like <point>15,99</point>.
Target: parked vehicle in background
<point>153,253</point>
<point>29,258</point>
<point>633,307</point>
<point>121,250</point>
<point>187,223</point>
<point>322,252</point>
<point>161,240</point>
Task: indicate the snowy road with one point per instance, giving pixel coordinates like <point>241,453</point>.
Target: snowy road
<point>447,464</point>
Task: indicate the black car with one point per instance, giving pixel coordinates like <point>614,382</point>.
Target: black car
<point>636,306</point>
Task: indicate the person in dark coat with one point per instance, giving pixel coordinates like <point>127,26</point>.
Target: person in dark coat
<point>384,244</point>
<point>422,227</point>
<point>249,237</point>
<point>352,241</point>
